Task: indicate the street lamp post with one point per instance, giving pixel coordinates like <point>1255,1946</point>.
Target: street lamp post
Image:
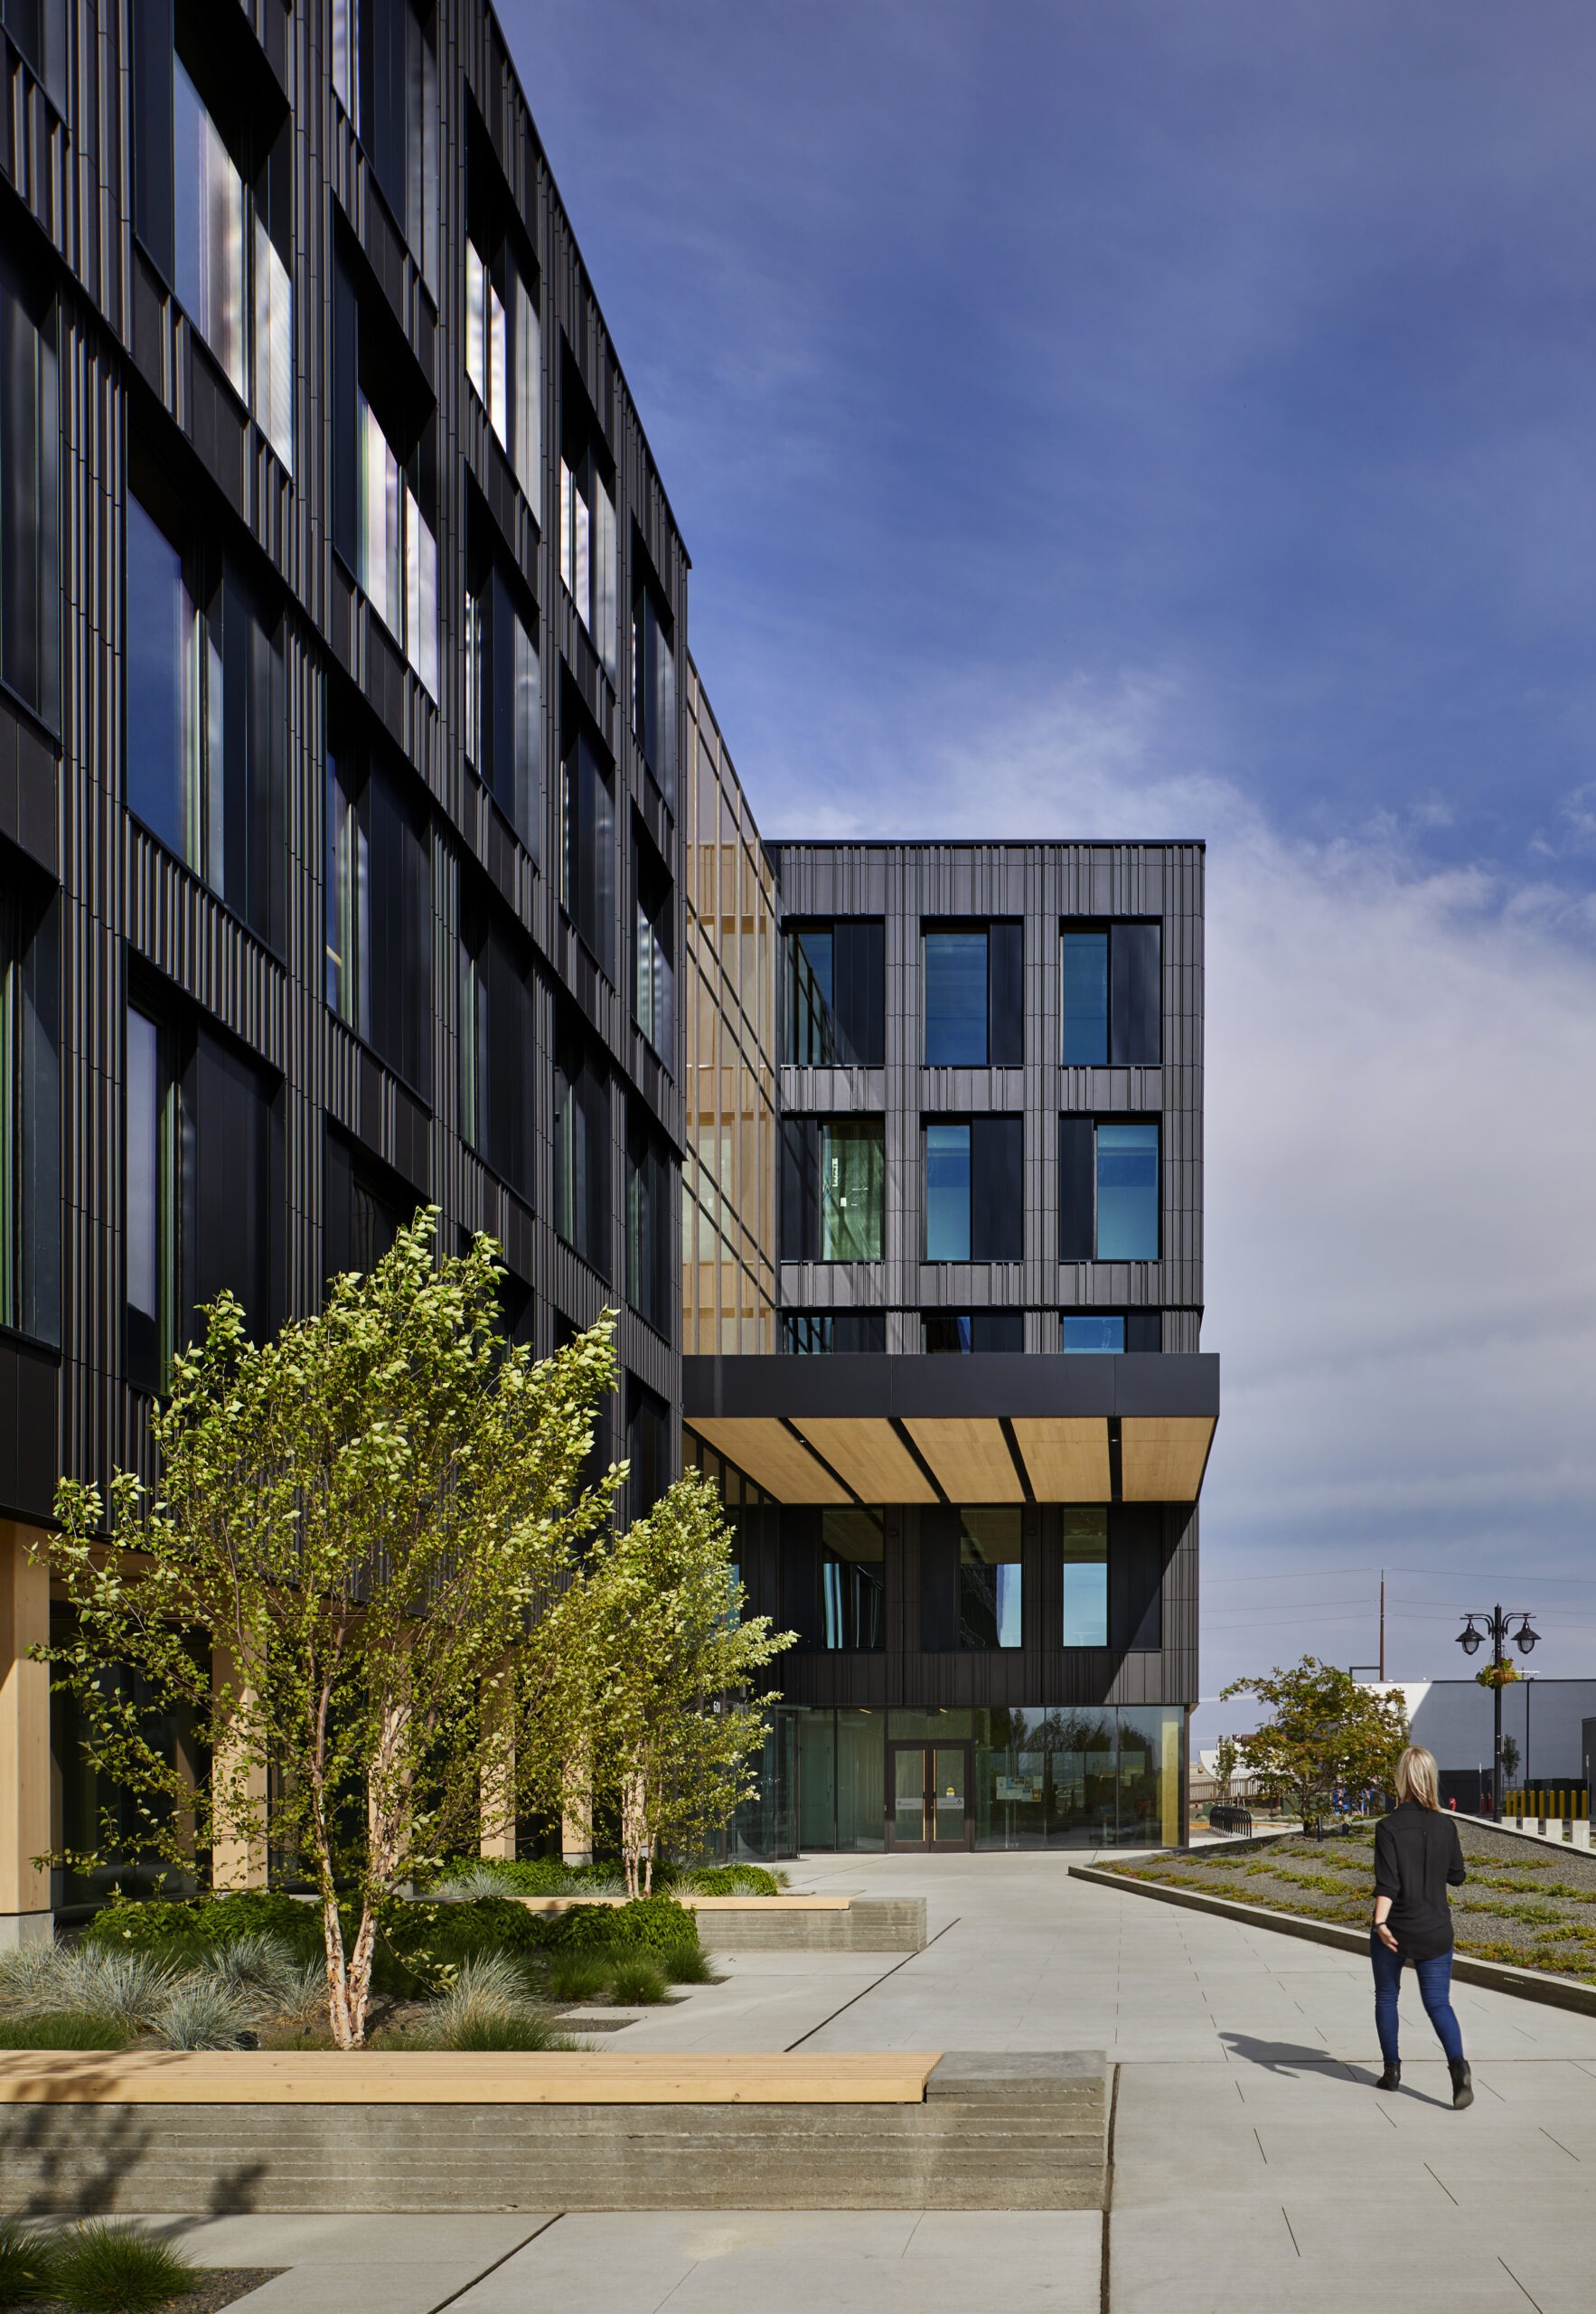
<point>1471,1639</point>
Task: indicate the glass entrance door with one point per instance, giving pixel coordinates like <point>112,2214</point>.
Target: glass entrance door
<point>930,1788</point>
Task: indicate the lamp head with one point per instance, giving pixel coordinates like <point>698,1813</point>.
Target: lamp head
<point>1527,1638</point>
<point>1469,1639</point>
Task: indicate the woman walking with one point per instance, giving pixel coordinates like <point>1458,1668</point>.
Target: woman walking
<point>1417,1855</point>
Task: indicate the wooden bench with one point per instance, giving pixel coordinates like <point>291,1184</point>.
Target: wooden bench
<point>447,2077</point>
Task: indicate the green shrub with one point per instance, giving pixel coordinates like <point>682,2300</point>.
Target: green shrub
<point>637,1981</point>
<point>535,1876</point>
<point>724,1880</point>
<point>27,2267</point>
<point>576,1976</point>
<point>108,2269</point>
<point>688,1964</point>
<point>512,2029</point>
<point>650,1925</point>
<point>62,2030</point>
<point>188,1930</point>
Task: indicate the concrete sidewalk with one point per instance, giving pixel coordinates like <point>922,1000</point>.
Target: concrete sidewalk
<point>1255,2166</point>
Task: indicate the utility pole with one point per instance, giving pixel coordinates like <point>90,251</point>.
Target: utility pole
<point>1381,1626</point>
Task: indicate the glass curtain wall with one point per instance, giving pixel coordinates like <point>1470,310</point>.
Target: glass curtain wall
<point>1101,1777</point>
<point>726,988</point>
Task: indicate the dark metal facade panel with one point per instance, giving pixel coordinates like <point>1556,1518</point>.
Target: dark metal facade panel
<point>131,363</point>
<point>1040,1672</point>
<point>1045,885</point>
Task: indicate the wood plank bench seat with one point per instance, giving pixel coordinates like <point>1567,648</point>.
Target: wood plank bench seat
<point>447,2077</point>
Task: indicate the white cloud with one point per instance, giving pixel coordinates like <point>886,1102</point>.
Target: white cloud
<point>1401,1117</point>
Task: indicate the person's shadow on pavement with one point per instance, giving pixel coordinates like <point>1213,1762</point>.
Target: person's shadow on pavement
<point>1288,2060</point>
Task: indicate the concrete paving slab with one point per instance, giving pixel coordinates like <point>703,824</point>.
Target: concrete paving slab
<point>857,2262</point>
<point>250,2241</point>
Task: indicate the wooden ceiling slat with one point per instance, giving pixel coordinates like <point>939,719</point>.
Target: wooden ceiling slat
<point>1065,1457</point>
<point>870,1456</point>
<point>970,1458</point>
<point>1162,1458</point>
<point>771,1457</point>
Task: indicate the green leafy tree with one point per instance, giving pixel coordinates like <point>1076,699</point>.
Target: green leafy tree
<point>646,1661</point>
<point>1324,1730</point>
<point>1509,1756</point>
<point>355,1525</point>
<point>1225,1760</point>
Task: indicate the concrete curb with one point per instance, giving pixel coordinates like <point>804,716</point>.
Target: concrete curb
<point>1496,1976</point>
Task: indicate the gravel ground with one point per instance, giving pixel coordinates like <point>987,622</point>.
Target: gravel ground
<point>1534,1908</point>
<point>218,2289</point>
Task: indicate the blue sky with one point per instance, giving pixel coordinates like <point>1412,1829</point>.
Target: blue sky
<point>1127,418</point>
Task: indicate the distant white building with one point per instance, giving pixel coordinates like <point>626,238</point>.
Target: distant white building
<point>1552,1721</point>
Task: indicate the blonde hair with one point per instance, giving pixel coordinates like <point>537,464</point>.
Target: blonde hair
<point>1415,1777</point>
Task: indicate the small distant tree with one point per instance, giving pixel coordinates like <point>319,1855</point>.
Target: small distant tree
<point>1324,1730</point>
<point>1509,1756</point>
<point>1226,1757</point>
<point>355,1524</point>
<point>651,1654</point>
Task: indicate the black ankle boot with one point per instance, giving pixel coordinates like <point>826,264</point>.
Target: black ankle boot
<point>1392,2076</point>
<point>1462,2082</point>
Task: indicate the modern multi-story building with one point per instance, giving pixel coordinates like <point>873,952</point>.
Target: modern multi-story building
<point>966,1472</point>
<point>366,839</point>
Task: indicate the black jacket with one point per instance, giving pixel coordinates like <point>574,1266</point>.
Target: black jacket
<point>1417,1854</point>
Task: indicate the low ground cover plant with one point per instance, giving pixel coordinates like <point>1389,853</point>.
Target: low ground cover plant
<point>101,2267</point>
<point>546,1876</point>
<point>1530,1912</point>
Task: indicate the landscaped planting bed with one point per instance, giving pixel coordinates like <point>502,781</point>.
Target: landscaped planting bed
<point>1532,1909</point>
<point>247,1972</point>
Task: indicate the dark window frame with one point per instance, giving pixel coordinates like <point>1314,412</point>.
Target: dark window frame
<point>847,1030</point>
<point>1133,1032</point>
<point>995,1224</point>
<point>1003,937</point>
<point>1079,1216</point>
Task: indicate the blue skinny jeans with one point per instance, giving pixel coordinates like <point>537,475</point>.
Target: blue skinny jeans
<point>1435,1988</point>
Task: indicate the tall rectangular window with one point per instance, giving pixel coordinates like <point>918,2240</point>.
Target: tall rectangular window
<point>834,1010</point>
<point>581,1147</point>
<point>990,1578</point>
<point>587,849</point>
<point>377,895</point>
<point>854,1589</point>
<point>503,356</point>
<point>384,76</point>
<point>30,517</point>
<point>213,203</point>
<point>30,1112</point>
<point>150,1146</point>
<point>496,1046</point>
<point>649,1183</point>
<point>1084,1550</point>
<point>363,1210</point>
<point>202,1189</point>
<point>1112,998</point>
<point>834,1189</point>
<point>38,28</point>
<point>653,988</point>
<point>654,687</point>
<point>587,529</point>
<point>974,996</point>
<point>348,897</point>
<point>504,703</point>
<point>205,721</point>
<point>380,528</point>
<point>974,1189</point>
<point>1108,1190</point>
